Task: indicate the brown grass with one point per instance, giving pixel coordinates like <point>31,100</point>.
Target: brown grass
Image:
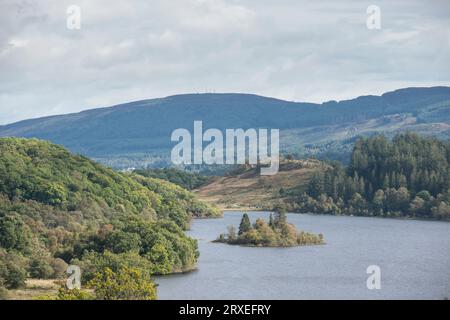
<point>251,191</point>
<point>35,288</point>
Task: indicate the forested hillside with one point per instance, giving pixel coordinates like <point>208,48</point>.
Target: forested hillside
<point>57,208</point>
<point>185,179</point>
<point>408,176</point>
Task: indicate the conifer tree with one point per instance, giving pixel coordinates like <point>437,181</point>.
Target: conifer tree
<point>271,222</point>
<point>245,224</point>
<point>280,214</point>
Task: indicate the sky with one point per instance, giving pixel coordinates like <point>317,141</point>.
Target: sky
<point>127,50</point>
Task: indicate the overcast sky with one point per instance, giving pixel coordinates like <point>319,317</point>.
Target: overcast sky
<point>131,50</point>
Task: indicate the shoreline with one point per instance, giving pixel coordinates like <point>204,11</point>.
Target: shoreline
<point>407,218</point>
<point>261,246</point>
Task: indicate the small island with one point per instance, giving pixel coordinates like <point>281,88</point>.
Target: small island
<point>277,233</point>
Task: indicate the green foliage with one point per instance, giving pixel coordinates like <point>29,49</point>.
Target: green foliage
<point>184,179</point>
<point>57,208</point>
<point>126,284</point>
<point>306,238</point>
<point>94,262</point>
<point>120,242</point>
<point>271,221</point>
<point>59,267</point>
<point>13,271</point>
<point>44,172</point>
<point>280,214</point>
<point>408,176</point>
<point>157,247</point>
<point>177,204</point>
<point>47,173</point>
<point>277,234</point>
<point>315,186</point>
<point>40,268</point>
<point>441,210</point>
<point>14,233</point>
<point>71,294</point>
<point>245,224</point>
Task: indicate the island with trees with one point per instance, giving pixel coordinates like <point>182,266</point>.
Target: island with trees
<point>276,233</point>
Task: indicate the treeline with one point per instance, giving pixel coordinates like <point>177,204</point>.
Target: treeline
<point>58,209</point>
<point>407,176</point>
<point>185,179</point>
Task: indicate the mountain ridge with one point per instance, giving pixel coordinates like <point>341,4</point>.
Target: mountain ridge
<point>121,105</point>
<point>141,129</point>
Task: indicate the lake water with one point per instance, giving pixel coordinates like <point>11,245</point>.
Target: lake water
<point>414,257</point>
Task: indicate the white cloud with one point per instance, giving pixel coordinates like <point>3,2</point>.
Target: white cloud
<point>139,49</point>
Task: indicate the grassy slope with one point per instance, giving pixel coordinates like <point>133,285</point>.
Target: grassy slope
<point>249,190</point>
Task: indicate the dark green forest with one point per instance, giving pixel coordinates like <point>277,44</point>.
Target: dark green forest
<point>57,208</point>
<point>406,176</point>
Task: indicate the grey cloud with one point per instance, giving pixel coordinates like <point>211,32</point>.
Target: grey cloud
<point>137,49</point>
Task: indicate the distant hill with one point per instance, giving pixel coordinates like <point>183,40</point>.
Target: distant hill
<point>138,133</point>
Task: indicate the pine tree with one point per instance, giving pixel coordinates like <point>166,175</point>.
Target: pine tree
<point>280,215</point>
<point>271,222</point>
<point>315,186</point>
<point>386,182</point>
<point>245,224</point>
<point>402,182</point>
